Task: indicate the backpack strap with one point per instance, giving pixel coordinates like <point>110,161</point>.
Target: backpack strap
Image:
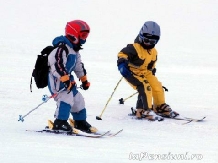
<point>31,90</point>
<point>63,46</point>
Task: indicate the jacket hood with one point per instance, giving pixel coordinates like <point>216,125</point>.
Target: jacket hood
<point>62,39</point>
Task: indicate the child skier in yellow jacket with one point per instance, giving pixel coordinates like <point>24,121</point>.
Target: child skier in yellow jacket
<point>136,63</point>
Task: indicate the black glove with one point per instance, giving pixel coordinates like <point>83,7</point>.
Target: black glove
<point>67,83</point>
<point>85,85</point>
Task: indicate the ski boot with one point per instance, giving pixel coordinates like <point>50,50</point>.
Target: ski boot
<point>148,114</point>
<point>165,110</point>
<point>82,125</point>
<point>61,125</point>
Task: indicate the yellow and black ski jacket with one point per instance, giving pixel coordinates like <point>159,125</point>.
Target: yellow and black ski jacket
<point>140,60</point>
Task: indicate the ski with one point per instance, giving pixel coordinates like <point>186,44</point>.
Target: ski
<point>195,120</point>
<point>109,134</point>
<point>189,120</point>
<point>114,134</point>
<point>75,132</point>
<point>96,131</point>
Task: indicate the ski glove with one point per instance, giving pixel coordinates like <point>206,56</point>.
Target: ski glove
<point>67,83</point>
<point>85,84</point>
<point>123,68</point>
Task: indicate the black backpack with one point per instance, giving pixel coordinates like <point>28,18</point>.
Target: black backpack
<point>40,72</point>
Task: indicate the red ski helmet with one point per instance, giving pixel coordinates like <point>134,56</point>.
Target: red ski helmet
<point>76,30</point>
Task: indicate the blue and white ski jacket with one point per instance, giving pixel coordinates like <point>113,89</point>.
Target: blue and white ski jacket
<point>63,64</point>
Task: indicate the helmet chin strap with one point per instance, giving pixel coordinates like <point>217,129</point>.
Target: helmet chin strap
<point>72,39</point>
<point>76,46</point>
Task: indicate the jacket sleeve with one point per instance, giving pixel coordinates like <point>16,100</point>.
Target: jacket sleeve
<point>57,61</point>
<point>80,70</point>
<point>129,53</point>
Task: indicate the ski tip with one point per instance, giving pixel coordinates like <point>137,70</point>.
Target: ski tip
<point>112,135</point>
<point>120,131</point>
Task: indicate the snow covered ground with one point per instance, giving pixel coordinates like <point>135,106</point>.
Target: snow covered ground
<point>187,66</point>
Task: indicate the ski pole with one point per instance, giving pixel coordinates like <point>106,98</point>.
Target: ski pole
<point>45,98</point>
<point>123,100</point>
<point>99,117</point>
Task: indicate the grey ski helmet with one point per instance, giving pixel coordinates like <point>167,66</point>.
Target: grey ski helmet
<point>150,29</point>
